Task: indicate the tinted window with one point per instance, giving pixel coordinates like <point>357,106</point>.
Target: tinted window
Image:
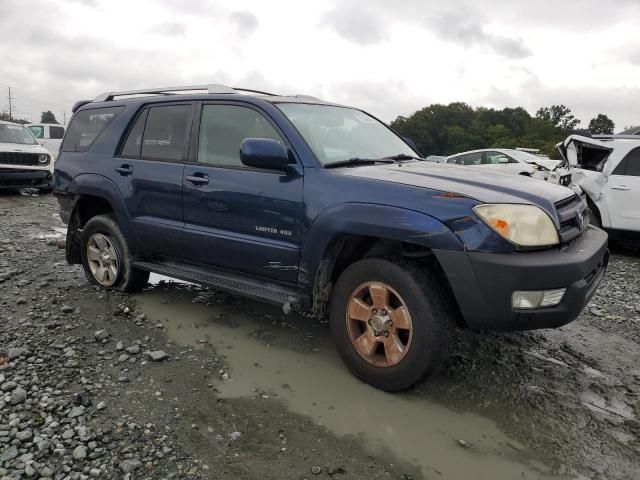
<point>56,133</point>
<point>633,163</point>
<point>472,159</point>
<point>37,130</point>
<point>222,130</point>
<point>86,126</point>
<point>132,146</point>
<point>165,132</point>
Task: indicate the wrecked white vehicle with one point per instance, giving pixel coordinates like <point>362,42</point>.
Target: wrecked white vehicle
<point>605,171</point>
<point>507,160</point>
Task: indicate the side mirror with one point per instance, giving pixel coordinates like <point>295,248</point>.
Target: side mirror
<point>503,160</point>
<point>264,153</point>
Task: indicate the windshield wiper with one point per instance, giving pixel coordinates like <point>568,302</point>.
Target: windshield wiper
<point>359,161</point>
<point>404,156</point>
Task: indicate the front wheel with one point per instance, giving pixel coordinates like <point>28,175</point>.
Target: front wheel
<point>391,322</point>
<point>106,258</point>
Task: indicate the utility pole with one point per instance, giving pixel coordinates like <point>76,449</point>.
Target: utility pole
<point>64,118</point>
<point>10,98</point>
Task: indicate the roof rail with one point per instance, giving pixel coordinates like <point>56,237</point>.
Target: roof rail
<point>616,136</point>
<point>212,88</point>
<point>253,91</point>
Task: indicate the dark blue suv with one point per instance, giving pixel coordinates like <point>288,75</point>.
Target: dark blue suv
<point>318,206</point>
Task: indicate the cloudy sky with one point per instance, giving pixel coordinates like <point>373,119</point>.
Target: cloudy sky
<point>388,57</point>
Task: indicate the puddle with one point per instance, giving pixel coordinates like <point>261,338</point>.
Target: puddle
<point>296,363</point>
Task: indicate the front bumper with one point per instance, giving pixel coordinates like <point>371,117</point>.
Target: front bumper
<point>484,282</point>
<point>14,178</point>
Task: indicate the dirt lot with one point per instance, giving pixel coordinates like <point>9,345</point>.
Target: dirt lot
<point>185,382</point>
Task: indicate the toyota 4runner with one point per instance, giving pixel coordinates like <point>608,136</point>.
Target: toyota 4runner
<point>318,206</point>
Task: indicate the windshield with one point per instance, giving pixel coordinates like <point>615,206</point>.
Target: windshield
<point>336,134</point>
<point>13,133</point>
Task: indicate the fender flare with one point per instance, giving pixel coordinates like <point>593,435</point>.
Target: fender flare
<point>96,185</point>
<point>374,220</point>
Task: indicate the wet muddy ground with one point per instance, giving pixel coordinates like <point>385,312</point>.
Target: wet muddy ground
<point>247,392</point>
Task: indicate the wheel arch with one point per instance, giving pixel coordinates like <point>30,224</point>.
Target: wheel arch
<point>95,195</point>
<point>352,232</point>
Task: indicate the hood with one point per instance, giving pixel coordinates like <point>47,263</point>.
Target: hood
<point>485,186</point>
<point>19,147</point>
<point>584,152</point>
<point>546,163</point>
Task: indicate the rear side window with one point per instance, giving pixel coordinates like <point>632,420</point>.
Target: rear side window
<point>56,133</point>
<point>630,165</point>
<point>87,126</point>
<point>165,132</point>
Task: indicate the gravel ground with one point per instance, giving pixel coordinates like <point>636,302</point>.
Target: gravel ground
<point>93,386</point>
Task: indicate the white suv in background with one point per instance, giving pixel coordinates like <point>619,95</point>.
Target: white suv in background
<point>49,135</point>
<point>605,171</point>
<point>24,163</point>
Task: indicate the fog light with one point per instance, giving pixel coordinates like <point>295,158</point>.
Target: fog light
<point>523,300</point>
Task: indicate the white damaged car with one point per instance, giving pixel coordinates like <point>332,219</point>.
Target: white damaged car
<point>24,163</point>
<point>605,171</point>
<point>506,160</point>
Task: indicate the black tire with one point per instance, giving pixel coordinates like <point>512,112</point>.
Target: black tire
<point>128,278</point>
<point>432,316</point>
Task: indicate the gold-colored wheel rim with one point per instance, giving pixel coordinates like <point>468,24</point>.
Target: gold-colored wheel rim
<point>379,324</point>
<point>102,259</point>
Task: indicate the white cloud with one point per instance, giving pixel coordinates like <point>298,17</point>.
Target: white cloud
<point>390,58</point>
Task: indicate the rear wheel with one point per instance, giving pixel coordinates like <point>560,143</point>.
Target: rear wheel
<point>391,322</point>
<point>106,258</point>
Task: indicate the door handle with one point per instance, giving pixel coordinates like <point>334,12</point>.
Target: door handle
<point>621,187</point>
<point>197,179</point>
<point>124,170</point>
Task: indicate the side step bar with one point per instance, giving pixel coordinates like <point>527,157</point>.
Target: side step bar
<point>229,282</point>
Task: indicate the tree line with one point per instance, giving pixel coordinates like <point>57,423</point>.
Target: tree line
<point>46,117</point>
<point>447,129</point>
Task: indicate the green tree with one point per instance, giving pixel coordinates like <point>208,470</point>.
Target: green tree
<point>559,115</point>
<point>601,124</point>
<point>5,117</point>
<point>48,117</point>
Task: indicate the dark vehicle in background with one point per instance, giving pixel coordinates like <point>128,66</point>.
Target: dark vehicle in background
<point>321,207</point>
<point>24,163</point>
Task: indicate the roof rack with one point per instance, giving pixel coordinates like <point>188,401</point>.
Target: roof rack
<point>211,88</point>
<point>615,136</point>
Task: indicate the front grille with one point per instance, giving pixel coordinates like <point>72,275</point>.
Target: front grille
<point>19,158</point>
<point>572,216</point>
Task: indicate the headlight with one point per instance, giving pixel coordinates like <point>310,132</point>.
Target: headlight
<point>43,158</point>
<point>524,225</point>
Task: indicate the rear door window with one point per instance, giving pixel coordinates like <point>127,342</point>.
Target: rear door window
<point>56,133</point>
<point>133,143</point>
<point>633,163</point>
<point>472,159</point>
<point>165,133</point>
<point>86,126</point>
<point>37,130</point>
